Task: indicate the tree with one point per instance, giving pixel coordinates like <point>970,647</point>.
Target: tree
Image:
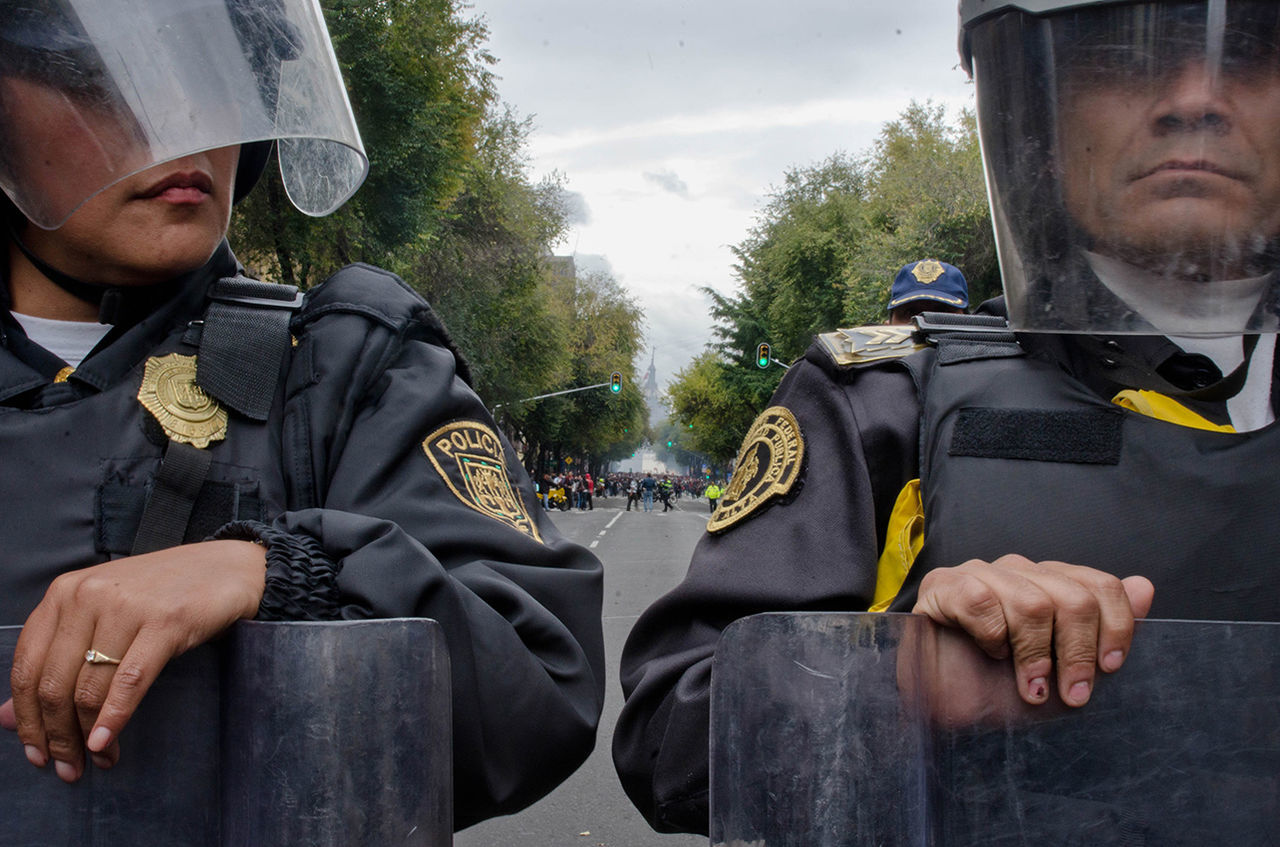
<point>486,271</point>
<point>823,252</point>
<point>419,82</point>
<point>710,395</point>
<point>927,199</point>
<point>602,328</point>
<point>794,261</point>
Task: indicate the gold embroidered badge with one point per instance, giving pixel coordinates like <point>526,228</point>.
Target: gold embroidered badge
<point>468,456</point>
<point>870,344</point>
<point>185,413</point>
<point>927,271</point>
<point>768,466</point>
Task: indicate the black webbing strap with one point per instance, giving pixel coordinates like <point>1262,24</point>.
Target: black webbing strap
<point>244,342</point>
<point>173,496</point>
<point>963,338</point>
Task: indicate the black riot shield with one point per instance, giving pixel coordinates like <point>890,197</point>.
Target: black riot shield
<point>860,729</point>
<point>280,734</point>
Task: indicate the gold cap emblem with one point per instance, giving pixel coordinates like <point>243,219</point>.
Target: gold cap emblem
<point>183,410</point>
<point>768,465</point>
<point>927,271</point>
<point>468,456</point>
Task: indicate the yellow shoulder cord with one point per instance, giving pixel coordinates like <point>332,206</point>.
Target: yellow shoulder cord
<point>1165,408</point>
<point>902,544</point>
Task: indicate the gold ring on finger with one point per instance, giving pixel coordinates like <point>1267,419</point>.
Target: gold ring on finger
<point>93,657</point>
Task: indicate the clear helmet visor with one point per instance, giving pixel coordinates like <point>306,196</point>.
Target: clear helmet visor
<point>92,91</point>
<point>1132,154</point>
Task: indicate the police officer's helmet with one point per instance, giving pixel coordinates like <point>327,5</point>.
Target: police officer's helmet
<point>1133,156</point>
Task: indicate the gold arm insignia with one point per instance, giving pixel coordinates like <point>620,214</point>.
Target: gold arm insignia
<point>864,344</point>
<point>768,466</point>
<point>468,456</point>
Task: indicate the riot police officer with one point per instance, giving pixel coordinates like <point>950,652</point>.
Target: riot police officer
<point>153,398</point>
<point>1039,485</point>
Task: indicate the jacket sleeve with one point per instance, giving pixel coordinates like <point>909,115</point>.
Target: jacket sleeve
<point>426,512</point>
<point>813,549</point>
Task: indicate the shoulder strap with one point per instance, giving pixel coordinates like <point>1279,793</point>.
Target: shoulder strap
<point>244,342</point>
<point>172,498</point>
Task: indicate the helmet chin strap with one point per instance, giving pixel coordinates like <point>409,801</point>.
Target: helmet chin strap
<point>116,304</point>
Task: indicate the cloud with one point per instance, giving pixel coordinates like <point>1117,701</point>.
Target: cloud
<point>743,122</point>
<point>669,181</point>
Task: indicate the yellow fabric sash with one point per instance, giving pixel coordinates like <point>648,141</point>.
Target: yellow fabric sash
<point>1164,408</point>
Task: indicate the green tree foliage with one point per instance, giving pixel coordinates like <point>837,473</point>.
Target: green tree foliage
<point>419,82</point>
<point>601,327</point>
<point>823,252</point>
<point>486,272</point>
<point>927,199</point>
<point>792,264</point>
<point>703,395</point>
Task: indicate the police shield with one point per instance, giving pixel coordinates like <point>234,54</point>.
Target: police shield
<point>281,734</point>
<point>853,729</point>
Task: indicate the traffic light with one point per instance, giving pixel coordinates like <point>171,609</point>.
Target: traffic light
<point>668,443</point>
<point>615,383</point>
<point>762,356</point>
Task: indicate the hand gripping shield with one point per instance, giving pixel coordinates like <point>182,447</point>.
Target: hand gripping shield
<point>860,730</point>
<point>281,734</point>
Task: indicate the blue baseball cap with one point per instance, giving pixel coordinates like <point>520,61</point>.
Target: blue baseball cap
<point>929,279</point>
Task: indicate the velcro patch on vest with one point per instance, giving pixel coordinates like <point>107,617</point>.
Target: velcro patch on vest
<point>768,466</point>
<point>1082,437</point>
<point>468,455</point>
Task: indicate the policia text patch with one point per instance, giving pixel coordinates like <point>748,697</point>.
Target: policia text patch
<point>468,455</point>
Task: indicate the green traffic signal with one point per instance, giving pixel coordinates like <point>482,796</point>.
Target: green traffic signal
<point>615,383</point>
<point>762,356</point>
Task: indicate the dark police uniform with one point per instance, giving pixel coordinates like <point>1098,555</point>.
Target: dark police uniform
<point>374,476</point>
<point>1018,449</point>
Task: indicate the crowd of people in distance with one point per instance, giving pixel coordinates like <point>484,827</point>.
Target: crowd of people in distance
<point>571,490</point>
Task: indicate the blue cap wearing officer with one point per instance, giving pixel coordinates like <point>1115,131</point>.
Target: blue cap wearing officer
<point>927,286</point>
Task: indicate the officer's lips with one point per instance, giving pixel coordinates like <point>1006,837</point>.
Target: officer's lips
<point>182,188</point>
<point>1189,167</point>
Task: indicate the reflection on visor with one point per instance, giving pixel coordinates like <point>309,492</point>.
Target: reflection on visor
<point>1152,40</point>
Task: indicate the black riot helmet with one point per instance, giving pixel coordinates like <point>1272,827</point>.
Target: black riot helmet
<point>148,81</point>
<point>1132,153</point>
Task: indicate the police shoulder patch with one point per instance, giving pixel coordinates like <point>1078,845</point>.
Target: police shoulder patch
<point>468,456</point>
<point>865,344</point>
<point>768,466</point>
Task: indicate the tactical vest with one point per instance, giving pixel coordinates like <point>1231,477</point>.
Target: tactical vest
<point>99,477</point>
<point>1018,457</point>
<point>111,473</point>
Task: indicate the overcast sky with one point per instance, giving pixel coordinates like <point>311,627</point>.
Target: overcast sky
<point>672,119</point>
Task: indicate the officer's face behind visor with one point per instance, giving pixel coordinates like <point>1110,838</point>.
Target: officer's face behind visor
<point>1139,145</point>
<point>93,91</point>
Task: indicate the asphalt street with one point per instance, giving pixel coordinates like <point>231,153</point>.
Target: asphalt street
<point>644,555</point>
